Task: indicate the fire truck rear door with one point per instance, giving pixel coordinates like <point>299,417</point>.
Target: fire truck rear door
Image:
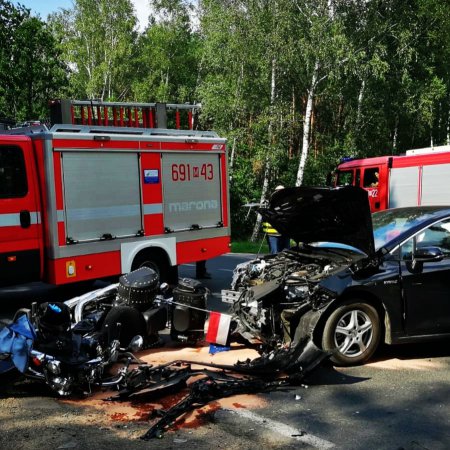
<point>19,214</point>
<point>434,184</point>
<point>102,195</point>
<point>192,191</point>
<point>404,187</point>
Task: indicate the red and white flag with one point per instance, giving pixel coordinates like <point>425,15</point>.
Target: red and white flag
<point>218,328</point>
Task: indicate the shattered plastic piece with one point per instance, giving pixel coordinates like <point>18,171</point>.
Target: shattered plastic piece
<point>298,397</point>
<point>300,359</point>
<point>216,348</point>
<point>205,390</point>
<point>297,361</point>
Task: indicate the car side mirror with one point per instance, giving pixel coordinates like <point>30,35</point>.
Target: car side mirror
<point>428,254</point>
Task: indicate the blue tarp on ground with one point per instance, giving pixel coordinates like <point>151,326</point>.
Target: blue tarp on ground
<point>16,341</point>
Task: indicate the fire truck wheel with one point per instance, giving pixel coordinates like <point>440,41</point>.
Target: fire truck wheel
<point>156,262</point>
<point>131,321</point>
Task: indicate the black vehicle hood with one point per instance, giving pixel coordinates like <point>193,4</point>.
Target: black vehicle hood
<point>317,214</point>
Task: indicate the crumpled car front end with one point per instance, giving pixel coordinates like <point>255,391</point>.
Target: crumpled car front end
<point>277,299</point>
<point>269,295</point>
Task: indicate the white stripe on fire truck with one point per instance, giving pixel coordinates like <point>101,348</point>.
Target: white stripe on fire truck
<point>108,212</point>
<point>154,208</point>
<point>13,219</point>
<point>103,212</point>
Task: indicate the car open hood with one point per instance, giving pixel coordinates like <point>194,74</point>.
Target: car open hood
<point>317,214</point>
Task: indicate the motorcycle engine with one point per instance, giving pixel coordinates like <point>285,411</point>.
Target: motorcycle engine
<point>64,357</point>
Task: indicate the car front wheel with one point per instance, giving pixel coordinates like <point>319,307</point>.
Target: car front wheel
<point>352,333</point>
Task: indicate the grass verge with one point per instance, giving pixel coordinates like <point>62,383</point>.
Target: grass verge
<point>249,247</point>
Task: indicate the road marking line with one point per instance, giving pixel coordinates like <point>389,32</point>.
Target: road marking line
<point>283,429</point>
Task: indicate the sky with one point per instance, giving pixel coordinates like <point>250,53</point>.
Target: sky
<point>45,7</point>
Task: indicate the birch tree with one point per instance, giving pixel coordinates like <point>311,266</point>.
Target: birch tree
<point>168,55</point>
<point>98,39</point>
<point>326,49</point>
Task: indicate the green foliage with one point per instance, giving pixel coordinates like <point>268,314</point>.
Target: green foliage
<point>98,39</point>
<point>168,56</point>
<point>244,188</point>
<point>378,72</point>
<point>250,247</point>
<point>31,70</point>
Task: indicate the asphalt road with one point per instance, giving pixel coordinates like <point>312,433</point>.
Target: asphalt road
<point>399,401</point>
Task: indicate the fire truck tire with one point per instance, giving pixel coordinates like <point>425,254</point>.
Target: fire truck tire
<point>132,323</point>
<point>157,262</point>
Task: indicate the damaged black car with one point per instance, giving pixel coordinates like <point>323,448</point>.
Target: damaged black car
<point>352,281</point>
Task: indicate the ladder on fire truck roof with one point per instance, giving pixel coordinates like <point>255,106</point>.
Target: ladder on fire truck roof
<point>123,114</point>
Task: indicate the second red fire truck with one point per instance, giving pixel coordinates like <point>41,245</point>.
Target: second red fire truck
<point>110,188</point>
<point>420,177</point>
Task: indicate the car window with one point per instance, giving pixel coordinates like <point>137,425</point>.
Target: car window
<point>436,235</point>
<point>407,249</point>
<point>393,223</point>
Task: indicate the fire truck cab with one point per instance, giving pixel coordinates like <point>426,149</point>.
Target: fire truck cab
<point>420,177</point>
<point>107,190</point>
<point>370,174</point>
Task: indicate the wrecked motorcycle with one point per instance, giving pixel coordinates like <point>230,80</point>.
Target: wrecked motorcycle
<point>71,345</point>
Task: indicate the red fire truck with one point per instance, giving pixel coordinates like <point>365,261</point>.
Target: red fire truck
<point>110,188</point>
<point>420,177</point>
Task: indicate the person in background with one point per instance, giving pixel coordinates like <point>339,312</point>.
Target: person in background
<point>375,181</point>
<point>276,241</point>
<point>200,270</point>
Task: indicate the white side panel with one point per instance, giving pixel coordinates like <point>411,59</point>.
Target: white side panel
<point>192,190</point>
<point>436,185</point>
<point>404,187</point>
<point>129,251</point>
<point>101,194</point>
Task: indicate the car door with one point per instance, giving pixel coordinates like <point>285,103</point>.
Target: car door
<point>20,243</point>
<point>427,285</point>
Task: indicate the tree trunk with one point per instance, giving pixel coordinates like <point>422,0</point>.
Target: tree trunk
<point>448,129</point>
<point>395,137</point>
<point>234,121</point>
<point>268,153</point>
<point>232,156</point>
<point>291,131</point>
<point>307,126</point>
<point>360,100</point>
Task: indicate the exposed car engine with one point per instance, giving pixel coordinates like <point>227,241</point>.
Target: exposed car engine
<point>269,294</point>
